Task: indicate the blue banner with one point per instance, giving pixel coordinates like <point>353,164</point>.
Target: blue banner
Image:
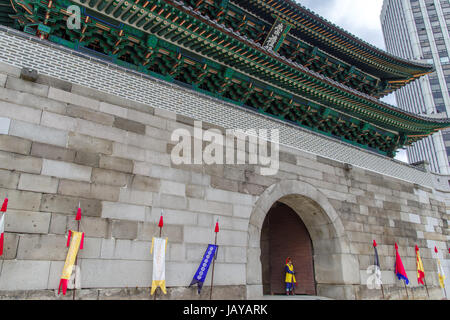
<point>202,271</point>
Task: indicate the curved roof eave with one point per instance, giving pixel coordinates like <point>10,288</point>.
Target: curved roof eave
<point>419,67</point>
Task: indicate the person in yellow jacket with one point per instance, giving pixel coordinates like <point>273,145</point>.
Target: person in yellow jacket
<point>290,277</point>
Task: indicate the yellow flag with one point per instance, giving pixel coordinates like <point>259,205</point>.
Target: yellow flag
<point>75,239</point>
<point>441,274</point>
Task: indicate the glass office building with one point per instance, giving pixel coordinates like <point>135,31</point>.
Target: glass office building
<point>419,30</point>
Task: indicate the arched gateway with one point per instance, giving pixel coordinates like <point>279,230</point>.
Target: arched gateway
<point>335,269</point>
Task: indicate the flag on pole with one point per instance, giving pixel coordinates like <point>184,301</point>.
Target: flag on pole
<point>399,268</point>
<point>420,269</point>
<point>202,271</point>
<point>74,242</point>
<point>441,273</point>
<point>2,224</point>
<point>376,263</point>
<point>159,264</point>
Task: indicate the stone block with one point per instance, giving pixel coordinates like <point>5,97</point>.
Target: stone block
<point>22,163</point>
<point>119,249</point>
<point>37,183</point>
<point>212,207</point>
<point>110,177</point>
<point>142,168</point>
<point>68,97</point>
<point>118,164</point>
<point>87,190</point>
<point>145,142</point>
<point>18,112</point>
<point>113,109</point>
<point>24,275</point>
<point>145,184</point>
<point>172,202</point>
<point>27,221</point>
<point>157,133</point>
<point>229,197</point>
<point>148,230</point>
<point>242,211</point>
<point>174,217</point>
<point>54,82</point>
<point>22,200</point>
<point>3,78</point>
<point>165,114</point>
<point>110,98</point>
<point>47,151</point>
<point>69,205</point>
<point>128,152</point>
<point>170,174</point>
<point>92,227</point>
<point>138,197</point>
<point>228,238</point>
<point>100,131</point>
<point>8,179</point>
<point>129,125</point>
<point>66,170</point>
<point>38,133</point>
<point>58,224</point>
<point>27,86</point>
<point>148,119</point>
<point>132,273</point>
<point>58,121</point>
<point>42,247</point>
<point>173,188</point>
<point>194,191</point>
<point>4,125</point>
<point>235,255</point>
<point>89,144</point>
<point>124,229</point>
<point>87,159</point>
<point>91,249</point>
<point>15,144</point>
<point>30,100</point>
<point>9,69</point>
<point>161,159</point>
<point>115,210</point>
<point>89,115</point>
<point>11,242</point>
<point>224,184</point>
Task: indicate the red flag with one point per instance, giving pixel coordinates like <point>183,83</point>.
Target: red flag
<point>161,222</point>
<point>78,217</point>
<point>399,268</point>
<point>5,205</point>
<point>2,224</point>
<point>216,230</point>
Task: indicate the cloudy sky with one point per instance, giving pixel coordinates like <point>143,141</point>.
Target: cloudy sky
<point>359,17</point>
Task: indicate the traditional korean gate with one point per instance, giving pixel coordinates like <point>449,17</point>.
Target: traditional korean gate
<point>285,235</point>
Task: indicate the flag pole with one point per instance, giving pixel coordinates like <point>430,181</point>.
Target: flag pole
<point>406,288</point>
<point>216,230</point>
<point>426,287</point>
<point>160,225</point>
<point>378,262</point>
<point>78,219</point>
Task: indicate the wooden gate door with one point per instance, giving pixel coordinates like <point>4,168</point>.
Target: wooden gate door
<point>286,236</point>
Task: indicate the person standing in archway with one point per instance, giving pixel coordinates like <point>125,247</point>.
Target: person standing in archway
<point>290,277</point>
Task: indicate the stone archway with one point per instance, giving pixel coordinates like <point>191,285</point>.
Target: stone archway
<point>336,269</point>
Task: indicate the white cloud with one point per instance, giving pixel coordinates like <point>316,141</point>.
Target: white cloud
<point>359,17</point>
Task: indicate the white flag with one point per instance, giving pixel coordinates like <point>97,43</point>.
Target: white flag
<point>441,274</point>
<point>159,264</point>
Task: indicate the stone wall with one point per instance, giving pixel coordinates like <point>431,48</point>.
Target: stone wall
<point>62,144</point>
